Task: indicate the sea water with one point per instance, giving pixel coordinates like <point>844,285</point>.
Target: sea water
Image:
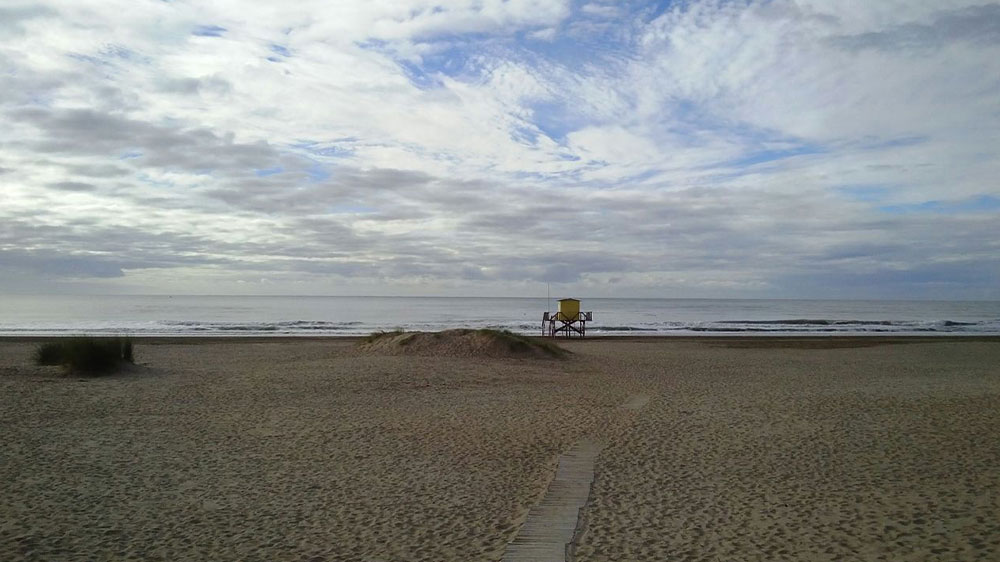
<point>351,316</point>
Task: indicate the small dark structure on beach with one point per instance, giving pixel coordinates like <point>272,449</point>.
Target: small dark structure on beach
<point>568,321</point>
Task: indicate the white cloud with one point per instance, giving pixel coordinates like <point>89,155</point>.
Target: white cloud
<point>602,10</point>
<point>458,143</point>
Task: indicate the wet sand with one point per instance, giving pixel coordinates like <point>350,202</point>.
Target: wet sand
<point>305,449</point>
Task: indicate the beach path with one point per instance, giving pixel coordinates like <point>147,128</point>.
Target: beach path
<point>552,523</point>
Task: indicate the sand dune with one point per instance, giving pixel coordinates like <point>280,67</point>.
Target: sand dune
<point>311,450</point>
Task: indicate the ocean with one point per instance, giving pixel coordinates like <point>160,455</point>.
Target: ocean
<point>59,315</point>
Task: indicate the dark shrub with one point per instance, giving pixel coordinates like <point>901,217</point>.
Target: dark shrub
<point>50,353</point>
<point>91,356</point>
<point>127,350</point>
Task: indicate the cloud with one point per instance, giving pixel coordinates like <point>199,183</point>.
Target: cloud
<point>194,86</point>
<point>426,19</point>
<point>60,265</point>
<point>71,186</point>
<point>89,132</point>
<point>972,24</point>
<point>97,170</point>
<point>704,148</point>
<point>13,17</point>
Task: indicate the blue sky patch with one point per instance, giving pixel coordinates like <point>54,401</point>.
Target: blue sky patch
<point>208,31</point>
<point>587,38</point>
<point>453,61</point>
<point>525,135</point>
<point>96,61</point>
<point>893,143</point>
<point>865,193</point>
<point>641,177</point>
<point>317,173</point>
<point>264,172</point>
<point>327,149</point>
<point>980,204</point>
<point>556,120</point>
<point>418,76</point>
<point>765,156</point>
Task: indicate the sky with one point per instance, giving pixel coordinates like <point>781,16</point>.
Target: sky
<point>713,149</point>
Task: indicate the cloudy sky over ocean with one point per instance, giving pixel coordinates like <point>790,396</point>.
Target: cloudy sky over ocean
<point>677,149</point>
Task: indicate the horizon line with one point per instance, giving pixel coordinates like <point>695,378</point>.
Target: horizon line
<point>216,295</point>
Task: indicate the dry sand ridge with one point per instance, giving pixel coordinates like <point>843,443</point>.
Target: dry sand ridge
<point>494,344</point>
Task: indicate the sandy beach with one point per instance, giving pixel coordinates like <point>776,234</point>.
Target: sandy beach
<point>311,450</point>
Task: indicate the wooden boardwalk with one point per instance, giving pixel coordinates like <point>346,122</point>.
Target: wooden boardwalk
<point>551,525</point>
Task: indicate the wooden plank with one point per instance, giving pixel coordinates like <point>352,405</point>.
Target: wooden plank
<point>552,523</point>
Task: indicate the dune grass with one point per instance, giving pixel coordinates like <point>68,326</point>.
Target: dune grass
<point>517,342</point>
<point>87,355</point>
<point>375,336</point>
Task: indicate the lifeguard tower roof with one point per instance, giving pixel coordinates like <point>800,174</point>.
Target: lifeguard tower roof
<point>568,309</point>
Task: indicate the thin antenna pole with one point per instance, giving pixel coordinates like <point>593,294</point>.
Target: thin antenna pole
<point>548,298</point>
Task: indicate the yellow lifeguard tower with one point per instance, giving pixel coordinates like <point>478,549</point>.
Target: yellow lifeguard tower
<point>567,321</point>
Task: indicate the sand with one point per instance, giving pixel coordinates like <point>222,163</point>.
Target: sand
<point>712,449</point>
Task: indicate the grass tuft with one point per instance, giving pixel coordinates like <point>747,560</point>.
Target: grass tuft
<point>375,336</point>
<point>86,355</point>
